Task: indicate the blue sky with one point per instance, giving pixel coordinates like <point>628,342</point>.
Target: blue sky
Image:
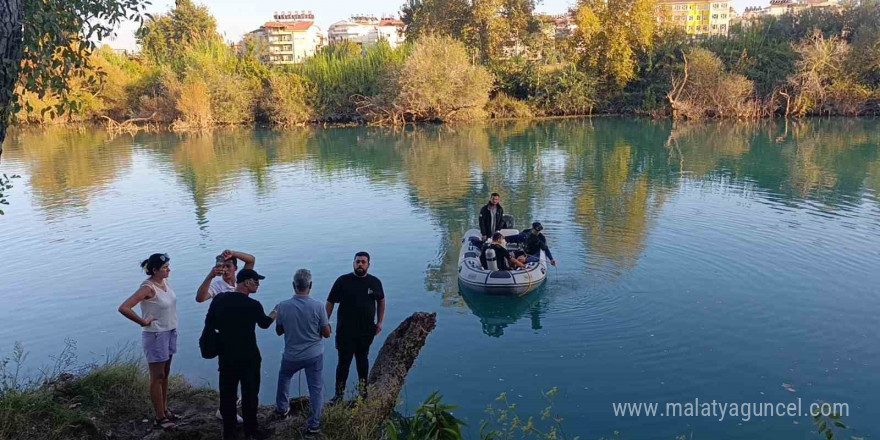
<point>235,17</point>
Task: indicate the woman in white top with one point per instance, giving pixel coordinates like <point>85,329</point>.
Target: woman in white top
<point>158,319</point>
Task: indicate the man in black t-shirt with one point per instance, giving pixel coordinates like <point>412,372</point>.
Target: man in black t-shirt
<point>361,299</point>
<point>234,315</point>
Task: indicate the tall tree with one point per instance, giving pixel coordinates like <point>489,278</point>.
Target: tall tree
<point>164,36</point>
<point>489,28</point>
<point>611,33</point>
<point>46,43</point>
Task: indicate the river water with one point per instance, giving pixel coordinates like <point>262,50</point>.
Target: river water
<point>695,261</point>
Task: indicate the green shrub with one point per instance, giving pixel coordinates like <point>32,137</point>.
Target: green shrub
<point>194,103</point>
<point>433,420</point>
<point>340,73</point>
<point>420,91</point>
<point>503,106</point>
<point>565,91</point>
<point>284,101</point>
<point>155,94</point>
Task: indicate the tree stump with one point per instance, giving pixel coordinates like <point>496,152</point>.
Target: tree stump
<point>396,358</point>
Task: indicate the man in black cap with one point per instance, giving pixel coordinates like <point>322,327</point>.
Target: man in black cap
<point>234,315</point>
<point>533,243</point>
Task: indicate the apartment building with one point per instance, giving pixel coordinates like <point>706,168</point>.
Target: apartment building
<point>290,38</point>
<point>367,30</point>
<point>701,17</point>
<point>781,7</point>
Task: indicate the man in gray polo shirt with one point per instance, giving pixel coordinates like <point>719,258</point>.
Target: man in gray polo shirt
<point>303,322</point>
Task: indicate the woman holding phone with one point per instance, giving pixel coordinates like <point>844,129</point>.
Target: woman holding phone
<point>158,319</point>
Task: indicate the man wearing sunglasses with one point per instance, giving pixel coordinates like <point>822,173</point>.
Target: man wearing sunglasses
<point>234,315</point>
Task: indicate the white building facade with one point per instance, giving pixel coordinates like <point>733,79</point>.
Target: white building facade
<point>290,38</point>
<point>367,31</point>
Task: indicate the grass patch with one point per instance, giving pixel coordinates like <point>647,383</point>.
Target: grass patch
<point>69,402</point>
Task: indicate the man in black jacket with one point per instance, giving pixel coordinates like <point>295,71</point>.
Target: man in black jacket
<point>533,242</point>
<point>490,216</point>
<point>234,315</point>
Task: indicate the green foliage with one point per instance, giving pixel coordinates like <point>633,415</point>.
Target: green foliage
<point>611,62</point>
<point>432,420</point>
<point>506,424</point>
<point>419,91</point>
<point>58,38</point>
<point>285,99</point>
<point>490,29</point>
<point>341,72</point>
<point>5,185</point>
<point>516,77</point>
<point>758,51</point>
<point>565,91</point>
<point>647,94</point>
<point>502,106</point>
<point>164,37</point>
<point>711,91</point>
<point>829,426</point>
<point>609,41</point>
<point>58,405</point>
<point>356,421</point>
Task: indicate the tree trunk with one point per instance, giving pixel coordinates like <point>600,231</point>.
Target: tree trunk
<point>11,42</point>
<point>395,359</point>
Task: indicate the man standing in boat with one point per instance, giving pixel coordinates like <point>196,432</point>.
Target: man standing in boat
<point>361,299</point>
<point>490,217</point>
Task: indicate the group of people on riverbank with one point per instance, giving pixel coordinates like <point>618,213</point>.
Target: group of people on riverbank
<point>303,322</point>
<point>234,316</point>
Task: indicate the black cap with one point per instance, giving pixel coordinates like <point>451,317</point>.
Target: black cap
<point>248,274</point>
<point>537,226</point>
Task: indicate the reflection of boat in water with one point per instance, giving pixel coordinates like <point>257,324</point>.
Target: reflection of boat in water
<point>472,275</point>
<point>496,313</point>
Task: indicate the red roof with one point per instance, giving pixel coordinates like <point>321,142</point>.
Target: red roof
<point>390,22</point>
<point>289,25</point>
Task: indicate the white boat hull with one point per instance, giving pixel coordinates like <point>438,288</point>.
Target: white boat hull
<point>473,277</point>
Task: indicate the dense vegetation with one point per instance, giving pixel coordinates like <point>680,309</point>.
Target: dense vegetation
<point>500,59</point>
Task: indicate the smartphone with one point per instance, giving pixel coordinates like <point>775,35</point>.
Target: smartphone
<point>219,261</point>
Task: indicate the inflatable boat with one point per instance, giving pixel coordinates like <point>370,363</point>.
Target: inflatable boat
<point>473,277</point>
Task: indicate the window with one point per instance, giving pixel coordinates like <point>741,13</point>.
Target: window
<point>714,16</point>
<point>714,27</point>
<point>723,15</point>
<point>723,27</point>
<point>690,17</point>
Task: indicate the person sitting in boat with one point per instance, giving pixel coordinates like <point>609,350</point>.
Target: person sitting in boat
<point>533,242</point>
<point>502,256</point>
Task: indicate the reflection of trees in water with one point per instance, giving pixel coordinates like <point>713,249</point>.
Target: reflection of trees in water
<point>829,162</point>
<point>622,181</point>
<point>618,172</point>
<point>452,171</point>
<point>697,149</point>
<point>68,167</point>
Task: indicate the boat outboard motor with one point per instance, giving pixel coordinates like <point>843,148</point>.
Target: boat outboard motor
<point>507,221</point>
<point>491,263</point>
